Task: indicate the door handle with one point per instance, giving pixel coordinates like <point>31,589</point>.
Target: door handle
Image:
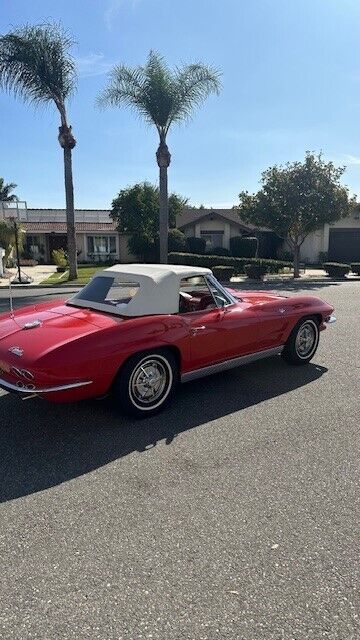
<point>196,329</point>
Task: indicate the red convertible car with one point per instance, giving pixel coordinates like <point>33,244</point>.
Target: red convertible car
<point>137,330</point>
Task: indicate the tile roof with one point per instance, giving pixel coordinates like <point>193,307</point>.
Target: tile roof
<point>60,227</point>
<point>97,220</point>
<point>191,216</point>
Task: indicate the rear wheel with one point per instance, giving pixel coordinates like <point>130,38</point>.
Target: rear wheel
<point>146,382</point>
<point>302,342</point>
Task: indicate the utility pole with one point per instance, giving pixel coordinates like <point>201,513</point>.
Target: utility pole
<point>17,251</point>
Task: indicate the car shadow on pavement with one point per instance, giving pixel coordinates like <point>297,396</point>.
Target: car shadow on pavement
<point>43,445</point>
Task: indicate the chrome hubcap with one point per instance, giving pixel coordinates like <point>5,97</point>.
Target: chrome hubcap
<point>305,339</point>
<point>148,381</point>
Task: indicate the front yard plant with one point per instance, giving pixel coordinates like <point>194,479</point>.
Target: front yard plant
<point>336,270</point>
<point>222,273</point>
<point>256,271</point>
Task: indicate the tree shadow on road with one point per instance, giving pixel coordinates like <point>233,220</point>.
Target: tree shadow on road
<point>43,445</point>
<point>295,286</point>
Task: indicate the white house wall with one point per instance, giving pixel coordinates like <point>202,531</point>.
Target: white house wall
<point>318,241</point>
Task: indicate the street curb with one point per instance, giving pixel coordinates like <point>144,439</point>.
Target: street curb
<point>299,281</point>
<point>29,287</point>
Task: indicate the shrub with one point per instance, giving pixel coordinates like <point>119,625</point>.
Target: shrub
<point>60,258</point>
<point>177,240</point>
<point>256,271</point>
<point>222,273</point>
<point>336,269</point>
<point>143,247</point>
<point>243,247</point>
<point>196,245</point>
<point>288,256</point>
<point>219,251</point>
<point>210,261</point>
<point>355,268</point>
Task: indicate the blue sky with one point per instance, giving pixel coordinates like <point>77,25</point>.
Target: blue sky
<point>291,83</point>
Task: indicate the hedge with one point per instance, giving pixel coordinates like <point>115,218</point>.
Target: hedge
<point>196,245</point>
<point>256,271</point>
<point>336,269</point>
<point>243,247</point>
<point>222,273</point>
<point>210,261</point>
<point>219,251</point>
<point>355,268</point>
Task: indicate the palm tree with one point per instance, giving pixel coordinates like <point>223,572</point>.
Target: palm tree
<point>35,65</point>
<point>5,191</point>
<point>161,97</point>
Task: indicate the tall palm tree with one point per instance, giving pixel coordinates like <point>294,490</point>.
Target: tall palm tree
<point>35,65</point>
<point>5,191</point>
<point>162,97</point>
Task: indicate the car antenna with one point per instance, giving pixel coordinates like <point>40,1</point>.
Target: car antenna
<point>11,300</point>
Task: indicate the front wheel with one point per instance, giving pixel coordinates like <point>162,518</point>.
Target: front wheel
<point>302,342</point>
<point>146,382</point>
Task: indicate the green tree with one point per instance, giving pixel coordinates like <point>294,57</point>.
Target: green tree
<point>161,97</point>
<point>136,212</point>
<point>36,66</point>
<point>296,199</point>
<point>7,239</point>
<point>5,191</point>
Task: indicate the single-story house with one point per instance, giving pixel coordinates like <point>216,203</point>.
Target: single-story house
<point>98,239</point>
<point>96,235</point>
<point>218,226</point>
<point>340,240</point>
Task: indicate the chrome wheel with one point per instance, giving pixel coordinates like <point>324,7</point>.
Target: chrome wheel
<point>306,339</point>
<point>150,382</point>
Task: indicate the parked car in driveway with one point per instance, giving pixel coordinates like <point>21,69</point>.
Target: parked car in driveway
<point>137,330</point>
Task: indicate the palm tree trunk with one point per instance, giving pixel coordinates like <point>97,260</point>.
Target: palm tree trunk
<point>70,214</point>
<point>164,215</point>
<point>163,159</point>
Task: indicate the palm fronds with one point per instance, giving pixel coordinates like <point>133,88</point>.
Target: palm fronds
<point>5,191</point>
<point>157,94</point>
<point>35,64</point>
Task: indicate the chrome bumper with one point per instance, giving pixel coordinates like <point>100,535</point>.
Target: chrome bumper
<point>30,388</point>
<point>330,320</point>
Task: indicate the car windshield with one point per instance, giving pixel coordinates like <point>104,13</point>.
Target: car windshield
<point>109,291</point>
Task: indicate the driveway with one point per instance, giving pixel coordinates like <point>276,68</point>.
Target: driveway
<point>234,514</point>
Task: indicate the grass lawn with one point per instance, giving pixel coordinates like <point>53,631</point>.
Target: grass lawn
<point>85,274</point>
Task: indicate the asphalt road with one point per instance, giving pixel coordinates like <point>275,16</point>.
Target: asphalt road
<point>233,514</point>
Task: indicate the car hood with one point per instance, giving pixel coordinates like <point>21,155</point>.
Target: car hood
<point>255,297</point>
<point>33,331</point>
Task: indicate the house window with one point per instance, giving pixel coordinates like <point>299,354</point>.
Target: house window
<point>33,246</point>
<point>213,239</point>
<point>101,245</point>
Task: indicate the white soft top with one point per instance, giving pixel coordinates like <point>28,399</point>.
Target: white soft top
<point>159,286</point>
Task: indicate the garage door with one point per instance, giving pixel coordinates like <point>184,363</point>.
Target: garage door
<point>344,245</point>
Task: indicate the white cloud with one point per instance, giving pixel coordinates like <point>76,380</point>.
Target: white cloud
<point>348,159</point>
<point>113,9</point>
<point>94,64</point>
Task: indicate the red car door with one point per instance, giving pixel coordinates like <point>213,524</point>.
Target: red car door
<point>222,334</point>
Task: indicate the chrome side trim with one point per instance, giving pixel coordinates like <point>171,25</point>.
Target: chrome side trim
<point>330,320</point>
<point>230,364</point>
<point>13,387</point>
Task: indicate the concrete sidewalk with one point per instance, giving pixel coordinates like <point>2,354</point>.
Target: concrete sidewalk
<point>38,274</point>
<point>41,272</point>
